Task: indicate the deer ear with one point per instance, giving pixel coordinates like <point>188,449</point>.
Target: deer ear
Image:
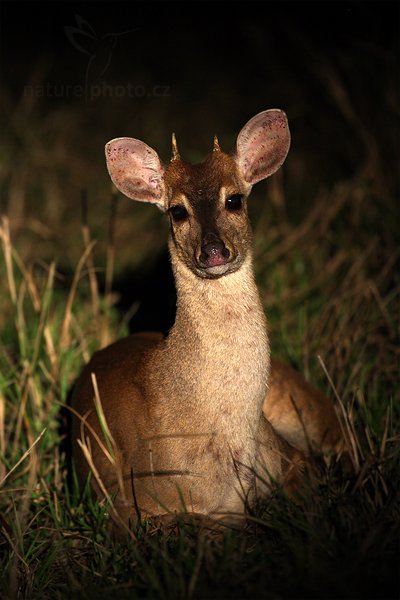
<point>262,145</point>
<point>136,170</point>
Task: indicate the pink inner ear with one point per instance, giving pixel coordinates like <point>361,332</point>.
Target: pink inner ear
<point>135,169</point>
<point>262,145</point>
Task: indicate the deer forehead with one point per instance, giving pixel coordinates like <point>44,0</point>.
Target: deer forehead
<point>204,183</point>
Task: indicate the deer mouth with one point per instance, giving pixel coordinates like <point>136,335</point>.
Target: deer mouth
<point>218,267</point>
<point>216,270</point>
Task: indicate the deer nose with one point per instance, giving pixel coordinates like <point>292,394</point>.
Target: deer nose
<point>213,252</point>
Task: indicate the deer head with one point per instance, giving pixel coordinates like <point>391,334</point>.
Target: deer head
<point>206,202</point>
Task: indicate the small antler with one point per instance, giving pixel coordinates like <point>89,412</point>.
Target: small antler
<point>175,152</point>
<point>216,144</point>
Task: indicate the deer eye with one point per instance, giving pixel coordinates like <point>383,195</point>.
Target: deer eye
<point>178,212</point>
<point>234,202</point>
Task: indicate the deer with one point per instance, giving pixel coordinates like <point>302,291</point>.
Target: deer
<point>202,421</point>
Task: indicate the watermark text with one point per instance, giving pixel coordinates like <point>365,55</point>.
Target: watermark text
<point>96,91</point>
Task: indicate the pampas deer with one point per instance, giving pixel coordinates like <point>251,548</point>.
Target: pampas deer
<point>202,420</point>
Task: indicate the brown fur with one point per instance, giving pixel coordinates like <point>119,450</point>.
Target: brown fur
<point>300,413</point>
<point>197,420</point>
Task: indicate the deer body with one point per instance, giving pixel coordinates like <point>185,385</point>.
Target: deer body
<point>186,412</point>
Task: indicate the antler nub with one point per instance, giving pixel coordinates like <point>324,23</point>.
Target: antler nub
<point>216,147</point>
<point>175,152</point>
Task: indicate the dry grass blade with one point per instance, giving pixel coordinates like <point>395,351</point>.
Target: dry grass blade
<point>21,415</point>
<point>94,288</point>
<point>51,351</point>
<point>2,435</point>
<point>23,457</point>
<point>385,437</point>
<point>88,456</point>
<point>7,249</point>
<point>10,254</point>
<point>85,425</point>
<point>110,441</point>
<point>348,431</point>
<point>43,314</point>
<point>64,337</point>
<point>101,416</point>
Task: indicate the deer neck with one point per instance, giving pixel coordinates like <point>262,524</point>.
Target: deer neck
<point>217,350</point>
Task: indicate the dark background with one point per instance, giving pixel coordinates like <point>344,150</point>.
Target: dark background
<point>197,68</point>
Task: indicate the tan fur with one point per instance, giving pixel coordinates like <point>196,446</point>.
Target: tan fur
<point>188,405</point>
<point>198,421</point>
<point>300,413</point>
